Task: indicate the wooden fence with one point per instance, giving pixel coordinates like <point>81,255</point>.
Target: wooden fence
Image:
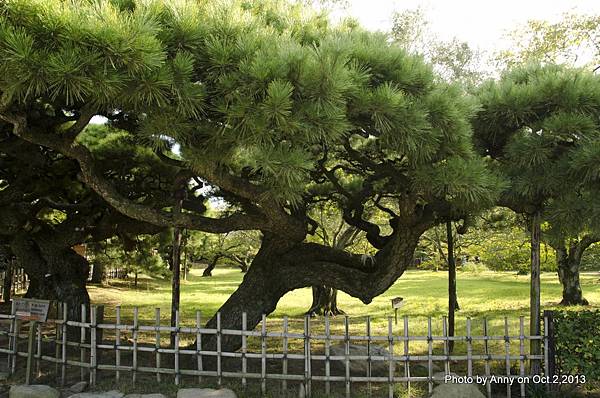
<point>283,353</point>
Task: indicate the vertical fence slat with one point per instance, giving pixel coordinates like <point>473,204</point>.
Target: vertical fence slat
<point>285,354</point>
<point>244,349</point>
<point>507,350</point>
<point>369,364</point>
<point>199,344</point>
<point>430,352</point>
<point>486,350</point>
<point>406,355</point>
<point>38,354</point>
<point>12,340</point>
<point>546,363</point>
<point>118,343</point>
<point>157,343</point>
<point>391,365</point>
<point>263,354</point>
<point>219,369</point>
<point>469,349</point>
<point>176,349</point>
<point>93,346</point>
<point>64,334</point>
<point>327,354</point>
<point>82,339</point>
<point>522,352</point>
<point>307,357</point>
<point>57,338</point>
<point>446,345</point>
<point>135,343</point>
<point>347,354</point>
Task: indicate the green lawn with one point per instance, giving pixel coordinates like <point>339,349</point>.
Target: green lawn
<point>488,294</point>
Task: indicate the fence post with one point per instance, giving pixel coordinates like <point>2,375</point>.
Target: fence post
<point>347,354</point>
<point>245,350</point>
<point>550,348</point>
<point>263,355</point>
<point>157,342</point>
<point>134,359</point>
<point>285,354</point>
<point>199,344</point>
<point>176,349</point>
<point>64,335</point>
<point>118,343</point>
<point>12,338</point>
<point>93,341</point>
<point>82,339</point>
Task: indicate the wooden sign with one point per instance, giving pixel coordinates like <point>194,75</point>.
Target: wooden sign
<point>397,302</point>
<point>32,309</point>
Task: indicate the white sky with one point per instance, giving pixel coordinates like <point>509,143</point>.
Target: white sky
<point>480,23</point>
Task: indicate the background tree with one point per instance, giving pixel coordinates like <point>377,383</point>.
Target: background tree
<point>332,231</point>
<point>555,42</point>
<point>562,42</point>
<point>539,125</point>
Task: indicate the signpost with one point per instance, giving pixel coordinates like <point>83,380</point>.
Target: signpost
<point>34,311</point>
<point>397,303</point>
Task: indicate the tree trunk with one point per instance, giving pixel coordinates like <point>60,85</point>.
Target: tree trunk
<point>452,299</point>
<point>568,274</point>
<point>281,266</point>
<point>98,272</point>
<point>324,302</point>
<point>55,273</point>
<point>210,267</point>
<point>534,315</point>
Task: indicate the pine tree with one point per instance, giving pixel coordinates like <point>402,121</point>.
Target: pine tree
<point>272,108</point>
<point>539,125</point>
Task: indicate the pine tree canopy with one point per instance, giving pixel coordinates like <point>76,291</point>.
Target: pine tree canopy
<point>254,88</point>
<point>541,125</point>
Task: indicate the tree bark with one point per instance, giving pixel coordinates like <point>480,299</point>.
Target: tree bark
<point>98,272</point>
<point>568,274</point>
<point>210,267</point>
<point>324,301</point>
<point>55,273</point>
<point>452,299</point>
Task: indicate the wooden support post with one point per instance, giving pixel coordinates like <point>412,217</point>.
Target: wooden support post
<point>31,335</point>
<point>199,344</point>
<point>134,362</point>
<point>263,355</point>
<point>93,344</point>
<point>534,317</point>
<point>118,343</point>
<point>245,349</point>
<point>157,342</point>
<point>285,354</point>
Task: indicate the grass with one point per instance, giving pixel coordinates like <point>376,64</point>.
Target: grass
<point>490,294</point>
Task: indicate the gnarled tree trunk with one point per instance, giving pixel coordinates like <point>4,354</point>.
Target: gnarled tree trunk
<point>55,273</point>
<point>281,266</point>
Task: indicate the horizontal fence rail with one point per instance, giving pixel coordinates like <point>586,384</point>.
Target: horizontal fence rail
<point>276,354</point>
